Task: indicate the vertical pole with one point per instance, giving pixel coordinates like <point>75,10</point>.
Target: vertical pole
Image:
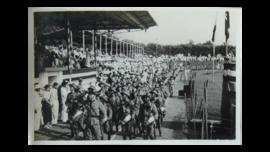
<point>123,48</point>
<point>120,43</point>
<point>131,50</point>
<point>100,43</point>
<point>111,45</point>
<point>71,39</point>
<point>206,111</point>
<point>213,62</point>
<point>116,48</point>
<point>106,43</point>
<point>136,48</point>
<point>95,46</point>
<point>127,49</point>
<point>203,119</point>
<point>93,43</point>
<point>226,48</point>
<point>83,41</point>
<point>68,47</point>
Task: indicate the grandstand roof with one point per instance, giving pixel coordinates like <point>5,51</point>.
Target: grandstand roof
<point>47,23</point>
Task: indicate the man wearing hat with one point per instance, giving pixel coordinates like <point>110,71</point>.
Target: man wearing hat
<point>115,99</point>
<point>148,115</point>
<point>107,126</point>
<point>72,106</point>
<point>158,101</point>
<point>96,115</point>
<point>170,85</point>
<point>126,115</point>
<point>38,120</point>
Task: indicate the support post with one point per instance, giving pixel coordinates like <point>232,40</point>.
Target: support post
<point>83,40</point>
<point>120,43</point>
<point>95,46</point>
<point>71,39</point>
<point>213,61</point>
<point>116,48</point>
<point>100,43</point>
<point>111,45</point>
<point>68,47</point>
<point>106,44</point>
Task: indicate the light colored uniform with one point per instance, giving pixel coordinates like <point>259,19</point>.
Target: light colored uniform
<point>64,114</point>
<point>38,114</point>
<point>55,105</point>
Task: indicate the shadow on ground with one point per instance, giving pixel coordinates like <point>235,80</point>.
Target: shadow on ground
<point>54,135</point>
<point>175,125</point>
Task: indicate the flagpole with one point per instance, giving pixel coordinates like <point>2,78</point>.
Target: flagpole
<point>227,26</point>
<point>214,47</point>
<point>226,48</point>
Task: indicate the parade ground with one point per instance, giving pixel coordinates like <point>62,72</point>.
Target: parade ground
<point>172,126</point>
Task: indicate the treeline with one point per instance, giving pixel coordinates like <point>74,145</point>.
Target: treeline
<point>194,49</point>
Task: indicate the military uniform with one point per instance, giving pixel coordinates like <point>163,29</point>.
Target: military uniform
<point>126,116</point>
<point>147,114</point>
<point>107,126</point>
<point>95,110</point>
<point>170,84</point>
<point>115,100</point>
<point>72,108</point>
<point>160,105</point>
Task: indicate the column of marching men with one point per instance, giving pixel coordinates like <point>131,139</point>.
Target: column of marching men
<point>128,103</point>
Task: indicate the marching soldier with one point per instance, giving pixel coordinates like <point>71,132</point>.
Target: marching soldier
<point>96,115</point>
<point>115,100</point>
<point>148,116</point>
<point>107,126</point>
<point>170,85</point>
<point>72,107</point>
<point>126,116</point>
<point>160,108</point>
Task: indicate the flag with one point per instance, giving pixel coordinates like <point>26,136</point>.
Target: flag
<point>227,25</point>
<point>214,32</point>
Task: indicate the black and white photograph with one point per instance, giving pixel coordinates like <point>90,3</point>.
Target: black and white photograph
<point>139,76</point>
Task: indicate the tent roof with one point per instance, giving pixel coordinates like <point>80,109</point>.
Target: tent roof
<point>51,22</point>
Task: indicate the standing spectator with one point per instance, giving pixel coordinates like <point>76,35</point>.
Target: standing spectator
<point>64,92</point>
<point>37,103</point>
<point>55,103</point>
<point>47,107</point>
<point>81,87</point>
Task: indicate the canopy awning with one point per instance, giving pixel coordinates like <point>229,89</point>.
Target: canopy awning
<point>51,22</point>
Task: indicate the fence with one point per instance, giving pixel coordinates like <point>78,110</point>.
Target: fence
<point>204,103</point>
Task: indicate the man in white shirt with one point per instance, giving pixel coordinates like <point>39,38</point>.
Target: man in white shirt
<point>38,120</point>
<point>55,103</point>
<point>64,92</point>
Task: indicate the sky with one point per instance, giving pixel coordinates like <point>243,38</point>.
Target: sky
<point>180,25</point>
